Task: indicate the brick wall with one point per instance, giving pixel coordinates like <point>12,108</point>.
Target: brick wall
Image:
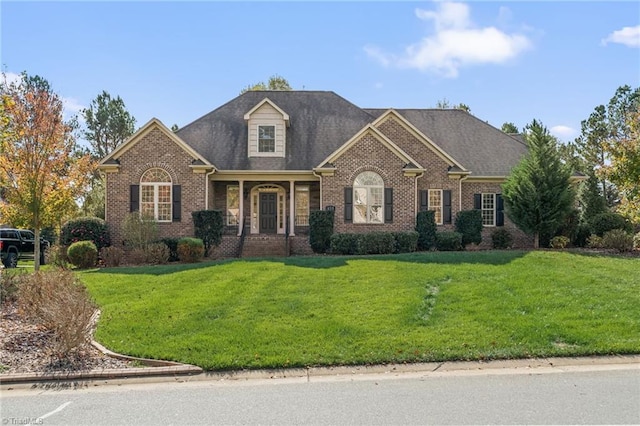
<point>155,149</point>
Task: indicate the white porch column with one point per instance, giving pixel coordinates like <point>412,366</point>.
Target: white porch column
<point>241,205</point>
<point>292,209</point>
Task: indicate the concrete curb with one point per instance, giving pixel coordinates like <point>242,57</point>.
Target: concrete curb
<point>184,372</point>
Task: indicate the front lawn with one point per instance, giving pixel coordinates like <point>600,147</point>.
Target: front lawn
<point>305,311</point>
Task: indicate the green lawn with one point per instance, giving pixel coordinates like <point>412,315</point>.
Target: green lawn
<point>308,311</point>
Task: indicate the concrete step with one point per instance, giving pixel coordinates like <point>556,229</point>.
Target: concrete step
<point>265,246</point>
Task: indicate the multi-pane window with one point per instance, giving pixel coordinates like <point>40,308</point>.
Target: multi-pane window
<point>155,195</point>
<point>233,204</point>
<point>435,204</point>
<point>266,138</point>
<point>488,208</point>
<point>302,205</point>
<point>368,198</point>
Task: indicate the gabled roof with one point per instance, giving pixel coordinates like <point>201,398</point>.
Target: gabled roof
<point>285,116</point>
<point>111,160</point>
<point>476,145</point>
<point>320,123</point>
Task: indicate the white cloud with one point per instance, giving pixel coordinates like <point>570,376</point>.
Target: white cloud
<point>456,43</point>
<point>629,36</point>
<point>563,132</point>
<point>71,106</point>
<point>11,77</point>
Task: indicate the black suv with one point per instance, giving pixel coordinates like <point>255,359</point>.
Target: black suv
<point>18,244</point>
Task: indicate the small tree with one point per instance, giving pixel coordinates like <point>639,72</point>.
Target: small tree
<point>208,226</point>
<point>139,230</point>
<point>538,194</point>
<point>469,224</point>
<point>320,230</point>
<point>426,229</point>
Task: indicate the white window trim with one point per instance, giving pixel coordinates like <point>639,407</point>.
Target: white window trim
<point>302,189</point>
<point>275,138</point>
<point>368,188</point>
<point>493,210</point>
<point>228,219</point>
<point>156,195</point>
<point>431,207</point>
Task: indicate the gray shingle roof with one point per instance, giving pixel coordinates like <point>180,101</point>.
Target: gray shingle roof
<point>323,121</point>
<point>320,123</point>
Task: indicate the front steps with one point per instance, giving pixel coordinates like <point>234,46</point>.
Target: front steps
<point>265,246</point>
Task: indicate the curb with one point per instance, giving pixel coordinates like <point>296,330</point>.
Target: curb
<point>168,369</point>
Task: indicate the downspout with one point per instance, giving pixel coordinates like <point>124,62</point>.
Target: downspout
<point>321,200</point>
<point>460,192</point>
<point>206,189</point>
<point>415,194</point>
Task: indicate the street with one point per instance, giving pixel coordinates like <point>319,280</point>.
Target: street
<point>604,396</point>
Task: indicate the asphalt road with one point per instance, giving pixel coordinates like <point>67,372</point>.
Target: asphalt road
<point>602,396</point>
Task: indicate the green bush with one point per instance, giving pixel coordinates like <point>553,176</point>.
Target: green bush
<point>636,241</point>
<point>172,244</point>
<point>594,241</point>
<point>604,222</point>
<point>158,253</point>
<point>320,230</point>
<point>559,242</point>
<point>469,224</point>
<point>405,242</point>
<point>83,254</point>
<point>111,256</point>
<point>582,234</point>
<point>377,243</point>
<point>618,239</point>
<point>208,226</point>
<point>139,230</point>
<point>426,229</point>
<point>85,229</point>
<point>190,250</point>
<point>449,241</point>
<point>345,243</point>
<point>501,239</point>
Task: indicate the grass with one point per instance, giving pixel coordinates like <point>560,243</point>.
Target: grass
<point>380,309</point>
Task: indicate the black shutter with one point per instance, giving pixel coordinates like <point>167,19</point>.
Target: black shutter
<point>477,201</point>
<point>446,206</point>
<point>424,201</point>
<point>348,204</point>
<point>388,205</point>
<point>499,210</point>
<point>134,198</point>
<point>177,203</point>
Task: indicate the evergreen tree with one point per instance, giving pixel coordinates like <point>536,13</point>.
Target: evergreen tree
<point>591,199</point>
<point>537,194</point>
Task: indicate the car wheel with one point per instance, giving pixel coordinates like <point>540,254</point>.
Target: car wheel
<point>11,261</point>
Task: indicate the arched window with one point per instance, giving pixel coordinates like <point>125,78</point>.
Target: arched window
<point>155,195</point>
<point>368,198</point>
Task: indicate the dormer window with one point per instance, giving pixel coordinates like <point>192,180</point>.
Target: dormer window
<point>266,138</point>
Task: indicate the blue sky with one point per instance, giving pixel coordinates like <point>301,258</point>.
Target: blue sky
<point>509,61</point>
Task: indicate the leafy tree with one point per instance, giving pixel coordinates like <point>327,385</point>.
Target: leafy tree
<point>38,169</point>
<point>509,127</point>
<point>445,104</point>
<point>624,168</point>
<point>276,82</point>
<point>537,194</point>
<point>108,124</point>
<point>605,128</point>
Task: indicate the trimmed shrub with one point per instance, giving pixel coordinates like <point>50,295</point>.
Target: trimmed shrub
<point>618,239</point>
<point>85,229</point>
<point>345,243</point>
<point>321,230</point>
<point>405,242</point>
<point>604,222</point>
<point>158,254</point>
<point>501,239</point>
<point>58,301</point>
<point>636,241</point>
<point>139,230</point>
<point>449,241</point>
<point>426,229</point>
<point>559,242</point>
<point>469,224</point>
<point>594,241</point>
<point>172,244</point>
<point>377,243</point>
<point>111,256</point>
<point>582,234</point>
<point>208,226</point>
<point>190,250</point>
<point>137,256</point>
<point>83,254</point>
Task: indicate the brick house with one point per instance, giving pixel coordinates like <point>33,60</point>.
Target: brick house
<point>266,159</point>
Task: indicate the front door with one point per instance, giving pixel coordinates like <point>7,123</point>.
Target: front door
<point>268,212</point>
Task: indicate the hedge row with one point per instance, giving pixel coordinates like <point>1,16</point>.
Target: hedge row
<point>374,243</point>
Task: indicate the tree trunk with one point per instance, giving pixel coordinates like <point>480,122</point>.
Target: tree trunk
<point>36,249</point>
<point>536,240</point>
